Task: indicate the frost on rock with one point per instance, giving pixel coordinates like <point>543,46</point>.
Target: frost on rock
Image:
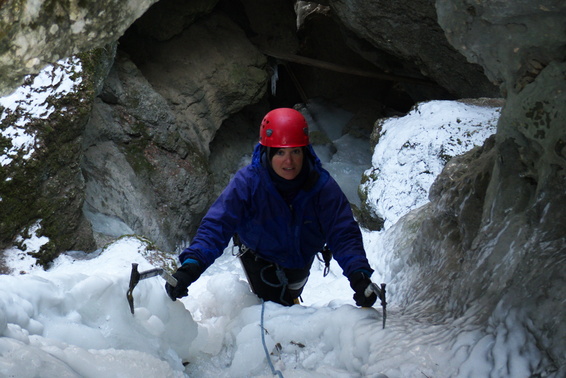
<point>40,127</point>
<point>412,151</point>
<point>32,101</point>
<point>19,258</point>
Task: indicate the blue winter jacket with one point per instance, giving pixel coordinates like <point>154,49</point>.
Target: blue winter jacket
<point>289,235</point>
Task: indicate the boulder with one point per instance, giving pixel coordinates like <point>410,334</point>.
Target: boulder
<point>41,179</point>
<point>35,34</point>
<point>405,38</point>
<point>146,157</point>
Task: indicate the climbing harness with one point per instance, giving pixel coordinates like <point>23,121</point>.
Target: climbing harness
<point>279,273</point>
<point>242,249</point>
<point>283,281</point>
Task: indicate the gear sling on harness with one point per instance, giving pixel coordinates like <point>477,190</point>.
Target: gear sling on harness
<point>270,281</point>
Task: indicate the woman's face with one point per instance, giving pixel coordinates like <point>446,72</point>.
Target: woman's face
<point>287,162</point>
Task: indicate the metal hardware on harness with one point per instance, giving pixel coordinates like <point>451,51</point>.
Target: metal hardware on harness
<point>242,249</point>
<point>326,258</point>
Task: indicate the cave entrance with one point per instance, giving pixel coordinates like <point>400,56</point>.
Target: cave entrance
<point>287,90</point>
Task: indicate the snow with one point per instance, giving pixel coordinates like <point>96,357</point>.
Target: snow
<point>30,101</point>
<point>413,149</point>
<point>73,320</point>
<point>17,258</point>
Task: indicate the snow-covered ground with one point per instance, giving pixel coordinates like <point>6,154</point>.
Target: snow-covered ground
<point>74,321</point>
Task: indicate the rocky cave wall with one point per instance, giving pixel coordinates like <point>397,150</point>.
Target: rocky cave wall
<point>147,145</point>
<point>49,186</point>
<point>36,33</point>
<point>493,236</point>
<point>180,97</point>
<point>189,80</point>
<point>173,116</point>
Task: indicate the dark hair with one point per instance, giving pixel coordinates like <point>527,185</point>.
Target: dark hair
<point>271,151</point>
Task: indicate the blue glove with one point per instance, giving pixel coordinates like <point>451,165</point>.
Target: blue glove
<point>188,273</point>
<point>359,281</point>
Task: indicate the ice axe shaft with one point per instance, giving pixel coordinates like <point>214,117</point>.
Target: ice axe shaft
<point>137,276</point>
<point>380,292</point>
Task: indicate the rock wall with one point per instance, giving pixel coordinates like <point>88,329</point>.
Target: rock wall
<point>42,180</point>
<point>494,238</point>
<point>511,41</point>
<point>406,39</point>
<point>180,100</point>
<point>36,33</point>
<point>147,143</point>
<point>219,75</point>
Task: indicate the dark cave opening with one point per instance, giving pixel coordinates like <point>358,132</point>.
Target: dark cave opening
<point>320,38</point>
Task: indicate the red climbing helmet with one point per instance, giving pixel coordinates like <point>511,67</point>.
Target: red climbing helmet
<point>284,127</point>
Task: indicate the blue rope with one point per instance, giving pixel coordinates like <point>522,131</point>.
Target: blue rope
<point>275,372</point>
<point>283,281</point>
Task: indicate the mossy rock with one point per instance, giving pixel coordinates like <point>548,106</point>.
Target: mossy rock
<point>49,186</point>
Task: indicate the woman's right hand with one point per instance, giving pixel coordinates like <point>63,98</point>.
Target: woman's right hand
<point>185,275</point>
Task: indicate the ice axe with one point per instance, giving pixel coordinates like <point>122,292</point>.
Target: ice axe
<point>372,288</point>
<point>136,276</point>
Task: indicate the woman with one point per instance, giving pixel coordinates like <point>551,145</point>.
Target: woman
<point>283,208</point>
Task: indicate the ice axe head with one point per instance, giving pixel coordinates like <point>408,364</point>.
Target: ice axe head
<point>134,279</point>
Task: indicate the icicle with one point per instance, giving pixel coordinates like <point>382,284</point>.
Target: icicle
<point>274,78</point>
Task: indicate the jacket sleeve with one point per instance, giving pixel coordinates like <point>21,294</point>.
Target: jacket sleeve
<point>219,223</point>
<point>343,234</point>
